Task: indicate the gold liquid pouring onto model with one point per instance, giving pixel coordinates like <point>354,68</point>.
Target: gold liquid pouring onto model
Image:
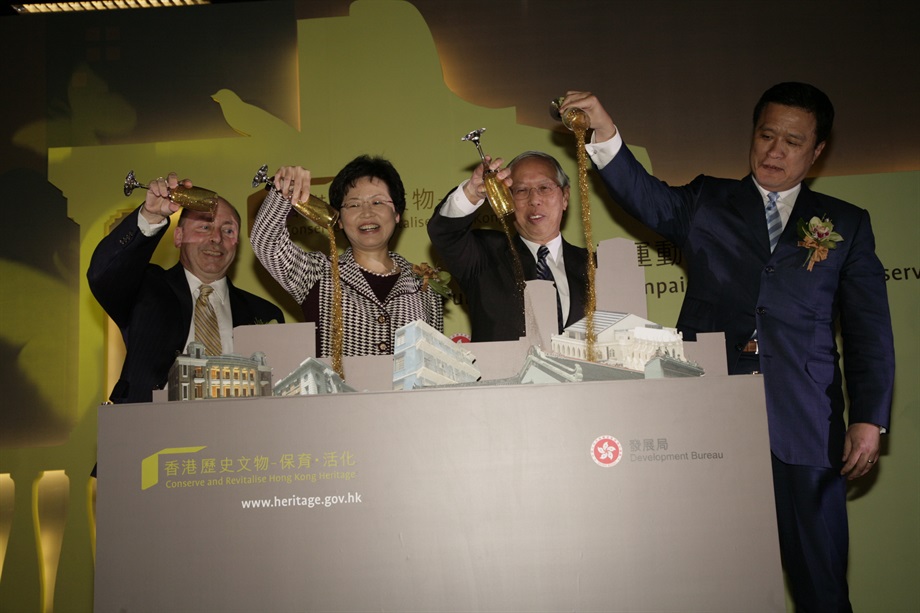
<point>502,203</point>
<point>319,212</point>
<point>578,122</point>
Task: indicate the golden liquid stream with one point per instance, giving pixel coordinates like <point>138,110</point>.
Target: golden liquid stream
<point>338,326</point>
<point>316,210</point>
<point>578,123</point>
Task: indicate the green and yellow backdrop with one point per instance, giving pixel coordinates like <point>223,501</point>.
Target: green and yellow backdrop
<point>214,92</point>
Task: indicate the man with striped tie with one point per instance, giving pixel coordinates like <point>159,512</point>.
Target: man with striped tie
<point>776,267</point>
<point>160,311</point>
<point>482,261</point>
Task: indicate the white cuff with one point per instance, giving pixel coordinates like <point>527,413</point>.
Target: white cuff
<point>457,204</point>
<point>602,153</point>
<point>147,228</point>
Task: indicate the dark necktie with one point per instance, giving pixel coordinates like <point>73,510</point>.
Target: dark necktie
<point>207,331</point>
<point>774,221</point>
<point>544,273</point>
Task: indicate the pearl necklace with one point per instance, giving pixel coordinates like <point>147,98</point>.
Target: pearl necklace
<point>388,273</point>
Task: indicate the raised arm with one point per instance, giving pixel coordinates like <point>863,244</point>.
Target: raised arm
<point>116,270</point>
<point>292,267</point>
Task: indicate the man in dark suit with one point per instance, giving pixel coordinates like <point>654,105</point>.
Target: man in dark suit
<point>153,307</point>
<point>779,299</point>
<point>482,262</point>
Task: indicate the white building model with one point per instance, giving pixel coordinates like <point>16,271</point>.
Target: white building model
<point>623,340</point>
<point>310,378</point>
<point>423,357</point>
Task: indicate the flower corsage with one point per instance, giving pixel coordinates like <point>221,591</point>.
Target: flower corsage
<point>434,277</point>
<point>818,237</point>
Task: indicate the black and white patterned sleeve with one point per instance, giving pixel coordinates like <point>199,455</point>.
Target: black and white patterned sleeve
<point>295,269</point>
<point>436,310</point>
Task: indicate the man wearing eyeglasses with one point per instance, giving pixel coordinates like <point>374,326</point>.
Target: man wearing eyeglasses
<point>156,308</point>
<point>482,262</point>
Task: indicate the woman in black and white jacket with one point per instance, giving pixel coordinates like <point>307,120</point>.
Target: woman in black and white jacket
<point>380,291</point>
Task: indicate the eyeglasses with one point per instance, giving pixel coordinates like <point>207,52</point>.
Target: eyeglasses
<point>523,193</point>
<point>355,205</point>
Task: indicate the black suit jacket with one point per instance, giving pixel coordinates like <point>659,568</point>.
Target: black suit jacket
<point>481,262</point>
<point>153,307</point>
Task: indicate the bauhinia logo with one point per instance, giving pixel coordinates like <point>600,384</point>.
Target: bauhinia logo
<point>606,451</point>
<point>150,466</point>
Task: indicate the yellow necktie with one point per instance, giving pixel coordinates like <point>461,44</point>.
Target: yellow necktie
<point>206,330</point>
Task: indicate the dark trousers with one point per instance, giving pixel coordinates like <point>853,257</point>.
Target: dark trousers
<point>811,515</point>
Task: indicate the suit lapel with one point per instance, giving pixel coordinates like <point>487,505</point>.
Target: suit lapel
<point>528,263</point>
<point>351,275</point>
<point>748,203</point>
<point>239,308</point>
<point>175,278</point>
<point>406,283</point>
<point>805,208</point>
<point>577,274</point>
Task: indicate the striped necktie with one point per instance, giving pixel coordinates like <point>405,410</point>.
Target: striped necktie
<point>543,272</point>
<point>206,330</point>
<point>774,221</point>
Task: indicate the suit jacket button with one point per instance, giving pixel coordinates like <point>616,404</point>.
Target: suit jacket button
<point>383,346</point>
<point>761,310</point>
<point>382,319</point>
<point>770,270</point>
